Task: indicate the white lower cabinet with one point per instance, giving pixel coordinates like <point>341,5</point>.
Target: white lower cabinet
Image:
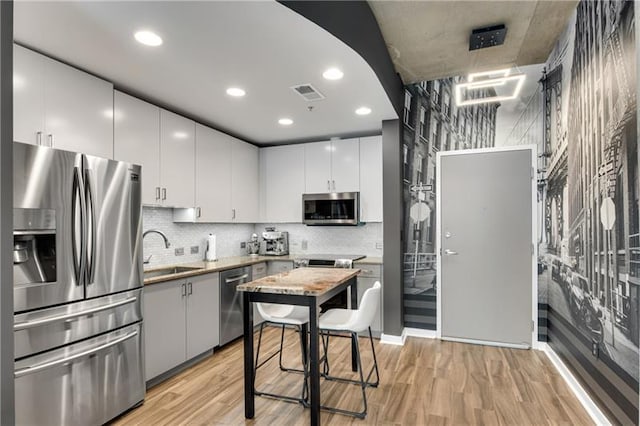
<point>180,320</point>
<point>370,273</point>
<point>259,270</point>
<point>278,266</point>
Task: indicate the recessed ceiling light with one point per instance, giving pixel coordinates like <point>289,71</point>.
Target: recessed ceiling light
<point>148,38</point>
<point>236,92</point>
<point>180,135</point>
<point>363,111</point>
<point>333,74</point>
<point>285,121</point>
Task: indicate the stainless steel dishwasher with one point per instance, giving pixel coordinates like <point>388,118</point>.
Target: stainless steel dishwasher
<point>231,303</point>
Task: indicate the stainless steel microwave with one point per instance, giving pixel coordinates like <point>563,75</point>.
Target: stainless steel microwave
<point>335,208</point>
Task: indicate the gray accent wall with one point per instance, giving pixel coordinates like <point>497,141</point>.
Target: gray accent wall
<point>7,415</point>
<point>393,212</point>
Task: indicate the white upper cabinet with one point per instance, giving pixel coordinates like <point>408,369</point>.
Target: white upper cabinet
<point>60,106</point>
<point>345,165</point>
<point>244,182</point>
<point>137,141</point>
<point>317,166</point>
<point>213,175</point>
<point>371,179</point>
<point>28,96</point>
<point>282,183</point>
<point>177,160</point>
<point>332,166</point>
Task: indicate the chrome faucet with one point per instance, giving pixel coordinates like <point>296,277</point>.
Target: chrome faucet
<point>167,244</point>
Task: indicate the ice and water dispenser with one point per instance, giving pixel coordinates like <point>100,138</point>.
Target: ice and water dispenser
<point>34,247</point>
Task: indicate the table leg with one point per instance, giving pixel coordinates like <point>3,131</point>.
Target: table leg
<point>247,321</point>
<point>354,305</point>
<point>314,365</point>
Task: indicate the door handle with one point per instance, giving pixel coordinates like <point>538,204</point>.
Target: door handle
<point>157,193</point>
<point>184,289</point>
<point>234,279</point>
<point>189,289</point>
<point>198,212</point>
<point>39,138</point>
<point>233,213</point>
<point>328,185</point>
<point>334,184</point>
<point>50,138</point>
<point>91,218</point>
<point>450,252</point>
<point>164,193</point>
<point>39,367</point>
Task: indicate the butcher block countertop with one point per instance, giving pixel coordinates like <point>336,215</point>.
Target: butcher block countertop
<point>302,281</point>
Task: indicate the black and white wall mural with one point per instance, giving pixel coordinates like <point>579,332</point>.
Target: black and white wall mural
<point>580,109</point>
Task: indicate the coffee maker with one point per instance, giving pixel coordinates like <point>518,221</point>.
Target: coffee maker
<point>274,243</point>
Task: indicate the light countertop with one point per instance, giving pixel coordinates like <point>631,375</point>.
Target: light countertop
<point>302,281</point>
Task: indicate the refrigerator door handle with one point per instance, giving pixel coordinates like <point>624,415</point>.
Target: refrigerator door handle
<point>78,253</point>
<point>35,323</point>
<point>45,365</point>
<point>91,228</point>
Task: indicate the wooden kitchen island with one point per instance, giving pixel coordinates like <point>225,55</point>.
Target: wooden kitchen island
<point>308,287</point>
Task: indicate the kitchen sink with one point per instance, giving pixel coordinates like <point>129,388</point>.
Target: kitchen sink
<point>170,271</point>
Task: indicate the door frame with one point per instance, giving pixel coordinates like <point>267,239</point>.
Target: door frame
<point>534,222</point>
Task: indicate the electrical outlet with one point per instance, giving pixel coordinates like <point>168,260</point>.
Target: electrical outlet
<point>195,249</point>
<point>180,251</point>
<point>304,244</point>
<point>379,245</point>
<point>243,245</point>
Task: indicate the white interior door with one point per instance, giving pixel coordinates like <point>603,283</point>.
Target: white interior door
<point>487,252</point>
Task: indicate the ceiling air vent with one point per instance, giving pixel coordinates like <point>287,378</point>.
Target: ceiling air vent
<point>308,92</point>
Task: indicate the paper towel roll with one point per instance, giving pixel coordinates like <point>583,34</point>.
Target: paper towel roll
<point>210,254</point>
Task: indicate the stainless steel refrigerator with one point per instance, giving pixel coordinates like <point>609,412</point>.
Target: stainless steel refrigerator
<point>77,260</point>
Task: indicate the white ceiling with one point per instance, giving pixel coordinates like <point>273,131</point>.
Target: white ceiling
<point>430,39</point>
<point>262,47</point>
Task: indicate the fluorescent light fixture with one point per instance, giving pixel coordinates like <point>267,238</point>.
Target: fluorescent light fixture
<point>148,38</point>
<point>489,74</point>
<point>180,135</point>
<point>236,92</point>
<point>285,122</point>
<point>333,74</point>
<point>488,83</point>
<point>363,111</point>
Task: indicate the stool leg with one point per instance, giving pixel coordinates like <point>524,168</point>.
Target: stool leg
<point>363,384</point>
<point>281,346</point>
<point>375,363</point>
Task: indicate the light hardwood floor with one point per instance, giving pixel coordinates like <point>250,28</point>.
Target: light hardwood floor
<point>426,381</point>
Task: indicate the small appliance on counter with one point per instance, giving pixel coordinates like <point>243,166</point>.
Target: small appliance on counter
<point>210,251</point>
<point>274,243</point>
<point>253,245</point>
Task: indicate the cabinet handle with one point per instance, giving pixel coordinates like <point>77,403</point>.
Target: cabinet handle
<point>198,212</point>
<point>157,193</point>
<point>190,287</point>
<point>328,185</point>
<point>164,193</point>
<point>184,289</point>
<point>334,184</point>
<point>233,213</point>
<point>39,138</point>
<point>50,140</point>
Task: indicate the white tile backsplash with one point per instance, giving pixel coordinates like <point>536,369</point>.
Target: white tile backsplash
<point>185,235</point>
<point>362,239</point>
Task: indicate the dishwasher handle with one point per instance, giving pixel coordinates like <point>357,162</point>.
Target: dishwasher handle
<point>237,278</point>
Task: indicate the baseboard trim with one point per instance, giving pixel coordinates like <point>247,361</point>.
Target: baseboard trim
<point>583,396</point>
<point>419,332</point>
<point>390,339</point>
